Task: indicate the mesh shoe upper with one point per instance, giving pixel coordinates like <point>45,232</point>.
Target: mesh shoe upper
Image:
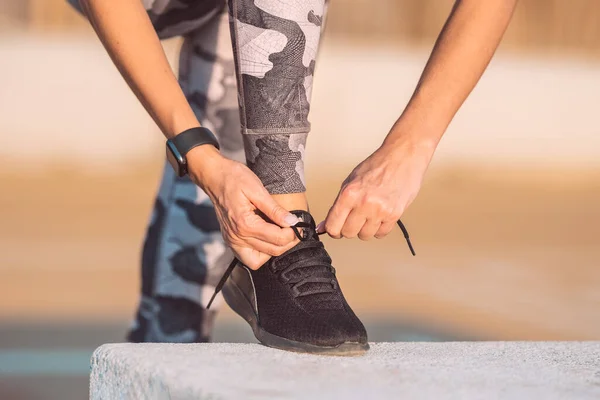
<point>299,297</point>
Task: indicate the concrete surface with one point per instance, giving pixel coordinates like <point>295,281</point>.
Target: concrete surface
<point>452,370</point>
<point>51,361</point>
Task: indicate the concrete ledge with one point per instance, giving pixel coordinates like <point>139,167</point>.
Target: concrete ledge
<point>474,370</point>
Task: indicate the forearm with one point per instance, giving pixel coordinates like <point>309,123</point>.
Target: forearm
<point>127,34</point>
<point>459,58</point>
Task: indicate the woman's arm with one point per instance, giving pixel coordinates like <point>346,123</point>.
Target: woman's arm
<point>460,56</point>
<point>129,37</point>
<point>378,190</point>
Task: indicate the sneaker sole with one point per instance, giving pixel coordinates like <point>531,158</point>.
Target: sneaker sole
<point>235,298</point>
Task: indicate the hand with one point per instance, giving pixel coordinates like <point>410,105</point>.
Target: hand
<point>238,197</point>
<point>377,192</point>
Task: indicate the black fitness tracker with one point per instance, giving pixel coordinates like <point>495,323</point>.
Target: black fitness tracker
<point>179,146</point>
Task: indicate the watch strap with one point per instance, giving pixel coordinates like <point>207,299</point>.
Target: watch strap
<point>187,140</point>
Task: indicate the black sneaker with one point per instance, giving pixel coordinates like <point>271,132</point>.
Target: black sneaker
<point>294,301</point>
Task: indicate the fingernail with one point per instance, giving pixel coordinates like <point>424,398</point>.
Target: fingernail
<point>291,219</point>
<point>321,227</point>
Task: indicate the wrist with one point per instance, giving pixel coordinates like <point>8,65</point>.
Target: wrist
<point>402,140</point>
<point>180,121</point>
<point>421,126</point>
<point>202,163</point>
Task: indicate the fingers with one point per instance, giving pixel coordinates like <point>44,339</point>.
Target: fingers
<point>384,229</point>
<point>273,234</point>
<point>336,217</point>
<point>364,228</point>
<point>353,224</point>
<point>362,212</point>
<point>255,253</point>
<point>263,201</point>
<point>252,231</point>
<point>350,217</point>
<point>252,225</point>
<point>369,229</point>
<point>268,248</point>
<point>358,225</point>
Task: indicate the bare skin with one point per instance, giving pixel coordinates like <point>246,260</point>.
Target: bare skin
<point>378,190</point>
<point>375,194</point>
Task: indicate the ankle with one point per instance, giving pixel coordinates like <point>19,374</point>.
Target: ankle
<point>292,201</point>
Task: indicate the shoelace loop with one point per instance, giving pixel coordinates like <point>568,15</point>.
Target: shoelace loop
<point>320,259</point>
<point>308,233</point>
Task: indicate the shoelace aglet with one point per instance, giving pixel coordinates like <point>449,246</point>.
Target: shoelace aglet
<point>212,299</point>
<point>410,246</point>
<point>407,237</point>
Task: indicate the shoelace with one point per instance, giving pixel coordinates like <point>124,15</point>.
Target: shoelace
<point>320,259</point>
<point>308,233</point>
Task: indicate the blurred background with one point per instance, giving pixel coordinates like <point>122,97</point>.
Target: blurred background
<point>506,228</point>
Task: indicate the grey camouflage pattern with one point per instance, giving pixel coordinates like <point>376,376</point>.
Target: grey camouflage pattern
<point>278,160</point>
<point>276,45</point>
<point>184,255</point>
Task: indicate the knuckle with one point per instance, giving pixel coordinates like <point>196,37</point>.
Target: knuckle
<point>389,215</point>
<point>378,204</point>
<point>246,224</point>
<point>278,211</point>
<point>396,214</point>
<point>388,211</point>
<point>351,192</point>
<point>372,201</point>
<point>249,220</point>
<point>335,233</point>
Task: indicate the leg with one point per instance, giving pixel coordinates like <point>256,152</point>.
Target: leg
<point>184,254</point>
<point>275,44</point>
<point>294,301</point>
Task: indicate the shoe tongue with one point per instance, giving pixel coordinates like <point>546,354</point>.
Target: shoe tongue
<point>305,217</point>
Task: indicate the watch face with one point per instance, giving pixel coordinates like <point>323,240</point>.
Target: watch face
<point>175,159</point>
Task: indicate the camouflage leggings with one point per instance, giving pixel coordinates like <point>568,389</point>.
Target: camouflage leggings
<point>274,48</point>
